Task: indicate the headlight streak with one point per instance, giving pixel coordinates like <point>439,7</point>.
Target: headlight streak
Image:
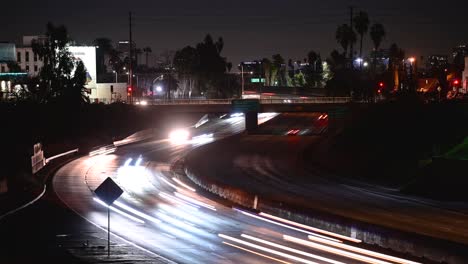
<point>127,162</point>
<point>300,252</point>
<point>138,162</point>
<point>363,251</point>
<point>272,251</point>
<point>118,211</point>
<point>311,228</point>
<point>334,250</point>
<point>183,184</point>
<point>170,184</point>
<point>286,226</point>
<point>172,198</point>
<point>191,200</point>
<point>256,253</point>
<point>135,212</point>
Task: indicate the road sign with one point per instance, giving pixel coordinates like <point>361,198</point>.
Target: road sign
<point>108,191</point>
<point>37,159</point>
<point>245,105</point>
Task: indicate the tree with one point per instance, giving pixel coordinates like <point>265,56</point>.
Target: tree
<point>361,24</point>
<point>278,75</point>
<point>396,55</point>
<point>377,33</point>
<point>203,67</point>
<point>345,35</point>
<point>56,81</point>
<point>267,69</point>
<point>186,65</point>
<point>103,47</point>
<point>147,50</point>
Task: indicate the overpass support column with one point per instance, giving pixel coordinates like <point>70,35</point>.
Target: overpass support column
<point>251,121</point>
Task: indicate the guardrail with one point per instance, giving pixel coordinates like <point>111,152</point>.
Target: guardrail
<point>316,100</point>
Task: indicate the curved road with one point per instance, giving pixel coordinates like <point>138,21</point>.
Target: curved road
<point>171,221</point>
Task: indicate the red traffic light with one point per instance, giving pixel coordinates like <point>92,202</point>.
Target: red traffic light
<point>129,89</point>
<point>456,82</point>
<point>381,84</point>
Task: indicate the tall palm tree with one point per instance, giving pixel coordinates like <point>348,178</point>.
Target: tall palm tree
<point>377,33</point>
<point>361,24</point>
<point>345,35</point>
<point>147,50</point>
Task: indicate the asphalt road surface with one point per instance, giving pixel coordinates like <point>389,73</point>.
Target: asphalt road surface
<point>168,217</point>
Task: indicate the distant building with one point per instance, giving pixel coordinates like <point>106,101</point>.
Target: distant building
<point>28,61</point>
<point>7,55</point>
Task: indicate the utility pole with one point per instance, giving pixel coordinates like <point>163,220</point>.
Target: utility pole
<point>351,52</point>
<point>130,74</point>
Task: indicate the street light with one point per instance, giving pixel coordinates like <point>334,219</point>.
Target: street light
<point>115,76</point>
<point>242,74</point>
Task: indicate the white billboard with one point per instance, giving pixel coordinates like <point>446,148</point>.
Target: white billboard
<point>86,54</point>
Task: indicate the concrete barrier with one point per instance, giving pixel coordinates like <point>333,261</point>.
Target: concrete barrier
<point>416,245</point>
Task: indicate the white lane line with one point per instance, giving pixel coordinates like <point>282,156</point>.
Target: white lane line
<point>300,252</point>
<point>265,249</point>
<point>25,205</point>
<point>286,226</point>
<point>183,184</point>
<point>256,253</point>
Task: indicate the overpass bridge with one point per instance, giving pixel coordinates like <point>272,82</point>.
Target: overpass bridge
<point>334,106</point>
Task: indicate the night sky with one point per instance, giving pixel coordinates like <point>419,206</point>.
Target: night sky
<point>251,29</point>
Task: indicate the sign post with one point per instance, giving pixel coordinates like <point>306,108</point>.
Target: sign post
<point>108,192</point>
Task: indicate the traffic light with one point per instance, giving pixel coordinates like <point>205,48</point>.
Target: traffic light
<point>129,89</point>
<point>381,84</point>
<point>456,82</point>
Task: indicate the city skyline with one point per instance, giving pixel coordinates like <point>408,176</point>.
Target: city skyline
<point>251,30</point>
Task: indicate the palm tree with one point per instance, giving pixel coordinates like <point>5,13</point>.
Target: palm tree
<point>345,35</point>
<point>361,24</point>
<point>147,50</point>
<point>377,33</point>
<point>396,56</point>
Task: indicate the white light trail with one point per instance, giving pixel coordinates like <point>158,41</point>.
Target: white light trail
<point>283,225</point>
<point>140,214</point>
<point>170,184</point>
<point>191,200</point>
<point>183,184</point>
<point>311,228</point>
<point>138,162</point>
<point>272,251</point>
<point>363,251</point>
<point>127,162</point>
<point>300,252</point>
<point>334,250</point>
<point>256,253</point>
<point>118,211</point>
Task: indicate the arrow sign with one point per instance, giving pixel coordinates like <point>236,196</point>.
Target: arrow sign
<point>108,192</point>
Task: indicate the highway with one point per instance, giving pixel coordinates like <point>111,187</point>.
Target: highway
<point>170,219</point>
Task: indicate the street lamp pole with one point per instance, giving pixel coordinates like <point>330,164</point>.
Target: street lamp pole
<point>242,74</point>
<point>115,76</point>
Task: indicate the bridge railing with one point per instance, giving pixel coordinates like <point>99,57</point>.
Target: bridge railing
<point>316,100</point>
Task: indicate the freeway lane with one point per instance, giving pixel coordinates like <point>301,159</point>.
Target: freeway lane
<point>164,216</point>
